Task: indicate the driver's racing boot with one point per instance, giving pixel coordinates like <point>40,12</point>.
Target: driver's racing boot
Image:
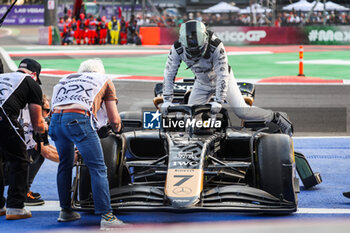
<point>281,119</point>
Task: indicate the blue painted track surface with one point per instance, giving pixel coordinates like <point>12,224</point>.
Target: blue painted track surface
<point>329,156</point>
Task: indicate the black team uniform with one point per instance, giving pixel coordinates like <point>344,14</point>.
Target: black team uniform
<point>12,147</point>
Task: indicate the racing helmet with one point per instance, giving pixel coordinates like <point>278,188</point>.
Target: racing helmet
<point>194,38</point>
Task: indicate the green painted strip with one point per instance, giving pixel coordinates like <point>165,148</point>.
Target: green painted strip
<point>244,66</point>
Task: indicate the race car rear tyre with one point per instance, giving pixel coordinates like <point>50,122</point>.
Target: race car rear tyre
<point>275,166</point>
<point>84,184</point>
<point>111,153</point>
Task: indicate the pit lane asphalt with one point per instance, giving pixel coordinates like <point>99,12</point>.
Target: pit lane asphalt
<point>317,110</point>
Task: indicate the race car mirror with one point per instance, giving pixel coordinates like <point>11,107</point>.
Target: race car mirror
<point>247,89</point>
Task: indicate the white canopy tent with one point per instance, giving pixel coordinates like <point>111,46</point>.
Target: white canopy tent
<point>319,6</point>
<point>331,6</point>
<point>221,7</point>
<point>302,5</point>
<point>255,9</point>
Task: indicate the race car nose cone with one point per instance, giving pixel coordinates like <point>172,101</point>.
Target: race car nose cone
<point>183,202</point>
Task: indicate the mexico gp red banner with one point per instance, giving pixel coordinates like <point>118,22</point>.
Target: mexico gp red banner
<point>327,35</point>
<point>260,35</point>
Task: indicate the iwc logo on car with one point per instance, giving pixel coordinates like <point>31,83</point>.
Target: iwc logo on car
<point>151,120</point>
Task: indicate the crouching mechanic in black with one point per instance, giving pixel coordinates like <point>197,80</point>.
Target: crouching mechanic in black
<point>37,150</point>
<point>205,55</point>
<point>18,89</point>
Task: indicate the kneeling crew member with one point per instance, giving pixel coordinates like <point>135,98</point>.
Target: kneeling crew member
<point>18,89</point>
<point>37,151</point>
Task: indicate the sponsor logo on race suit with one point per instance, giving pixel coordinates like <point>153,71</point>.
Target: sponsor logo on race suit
<point>25,121</point>
<point>78,89</point>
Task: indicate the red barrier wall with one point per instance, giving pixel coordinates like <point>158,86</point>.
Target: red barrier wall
<point>168,35</point>
<point>150,35</point>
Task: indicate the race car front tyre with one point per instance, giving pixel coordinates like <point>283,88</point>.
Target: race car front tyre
<point>84,184</point>
<point>275,166</point>
<point>111,150</point>
<point>111,153</point>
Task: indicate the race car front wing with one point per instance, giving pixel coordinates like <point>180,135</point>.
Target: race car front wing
<point>236,198</point>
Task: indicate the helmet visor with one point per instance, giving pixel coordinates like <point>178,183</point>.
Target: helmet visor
<point>193,49</point>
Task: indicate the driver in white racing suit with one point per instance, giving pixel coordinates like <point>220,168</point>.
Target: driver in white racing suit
<point>205,55</point>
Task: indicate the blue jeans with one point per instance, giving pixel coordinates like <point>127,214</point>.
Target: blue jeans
<point>67,130</point>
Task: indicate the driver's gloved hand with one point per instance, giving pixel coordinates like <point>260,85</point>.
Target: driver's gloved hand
<point>215,107</point>
<point>281,119</point>
<point>164,107</point>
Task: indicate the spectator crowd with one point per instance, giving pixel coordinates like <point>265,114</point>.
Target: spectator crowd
<point>92,31</point>
<point>292,18</point>
<point>87,29</point>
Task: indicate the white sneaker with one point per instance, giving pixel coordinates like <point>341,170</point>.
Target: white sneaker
<point>115,223</point>
<point>17,213</point>
<point>3,211</point>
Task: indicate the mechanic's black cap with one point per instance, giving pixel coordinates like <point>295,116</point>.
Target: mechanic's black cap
<point>32,65</point>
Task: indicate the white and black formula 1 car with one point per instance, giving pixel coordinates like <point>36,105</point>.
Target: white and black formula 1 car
<point>197,161</point>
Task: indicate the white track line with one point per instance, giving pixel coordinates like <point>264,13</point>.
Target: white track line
<point>55,206</point>
<point>10,63</point>
<point>248,53</point>
<point>304,84</point>
<point>8,32</point>
<point>72,52</point>
<point>320,137</point>
<point>122,51</point>
<point>48,206</point>
<point>319,62</point>
<point>322,211</point>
